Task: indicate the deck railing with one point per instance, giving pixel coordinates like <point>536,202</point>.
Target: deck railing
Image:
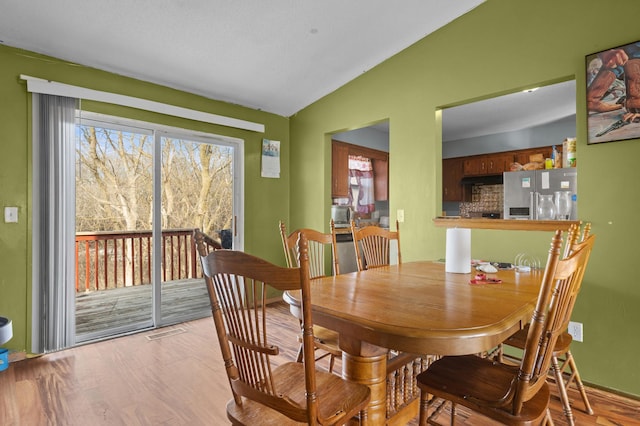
<point>106,260</point>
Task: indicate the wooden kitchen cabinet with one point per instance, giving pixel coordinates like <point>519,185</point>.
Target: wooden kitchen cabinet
<point>340,153</point>
<point>474,166</point>
<point>497,164</point>
<point>339,170</point>
<point>488,164</point>
<point>380,179</point>
<point>452,172</point>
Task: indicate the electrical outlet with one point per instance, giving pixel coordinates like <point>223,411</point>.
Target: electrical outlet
<point>10,215</point>
<point>575,330</point>
<point>400,215</point>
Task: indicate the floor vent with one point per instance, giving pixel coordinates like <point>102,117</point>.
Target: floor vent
<point>167,333</point>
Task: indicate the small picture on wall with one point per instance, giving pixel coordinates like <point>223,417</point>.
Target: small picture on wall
<point>613,94</point>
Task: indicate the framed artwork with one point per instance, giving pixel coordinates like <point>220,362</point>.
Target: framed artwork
<point>613,94</point>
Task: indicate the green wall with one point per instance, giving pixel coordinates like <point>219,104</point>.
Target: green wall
<point>500,47</point>
<point>266,200</point>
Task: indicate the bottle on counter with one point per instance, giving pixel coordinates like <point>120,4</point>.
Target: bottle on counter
<point>569,152</point>
<point>548,163</point>
<point>554,157</point>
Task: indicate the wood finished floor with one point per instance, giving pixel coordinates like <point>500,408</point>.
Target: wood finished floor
<point>179,379</point>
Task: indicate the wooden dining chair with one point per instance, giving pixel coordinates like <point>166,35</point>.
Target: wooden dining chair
<point>373,245</point>
<point>318,244</point>
<point>513,395</point>
<point>264,393</point>
<point>562,359</point>
<point>209,243</point>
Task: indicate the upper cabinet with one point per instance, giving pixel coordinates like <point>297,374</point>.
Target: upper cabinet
<point>339,170</point>
<point>340,153</point>
<point>451,179</point>
<point>381,178</point>
<point>489,164</point>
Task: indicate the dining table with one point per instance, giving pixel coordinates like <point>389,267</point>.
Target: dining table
<point>415,308</point>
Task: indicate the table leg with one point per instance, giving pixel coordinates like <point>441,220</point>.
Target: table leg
<point>368,366</point>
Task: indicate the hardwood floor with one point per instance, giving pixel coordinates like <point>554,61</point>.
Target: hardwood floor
<point>175,376</point>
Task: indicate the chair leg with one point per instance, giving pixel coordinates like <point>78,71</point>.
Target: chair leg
<point>424,408</point>
<point>548,420</point>
<point>300,354</point>
<point>332,360</point>
<point>427,401</point>
<point>363,418</point>
<point>575,377</point>
<point>562,390</point>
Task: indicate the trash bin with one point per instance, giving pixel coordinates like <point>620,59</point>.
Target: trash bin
<point>4,359</point>
<point>6,333</point>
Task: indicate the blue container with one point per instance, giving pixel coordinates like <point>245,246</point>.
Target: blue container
<point>4,359</point>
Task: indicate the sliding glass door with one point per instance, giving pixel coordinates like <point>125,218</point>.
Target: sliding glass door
<point>141,190</point>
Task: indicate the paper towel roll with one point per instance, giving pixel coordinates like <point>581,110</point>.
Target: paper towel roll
<point>458,256</point>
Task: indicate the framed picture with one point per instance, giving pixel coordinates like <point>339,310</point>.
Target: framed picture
<point>613,94</point>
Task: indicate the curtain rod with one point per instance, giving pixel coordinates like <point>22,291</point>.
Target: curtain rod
<point>48,87</point>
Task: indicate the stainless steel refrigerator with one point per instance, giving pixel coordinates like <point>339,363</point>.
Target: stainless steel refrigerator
<point>522,190</point>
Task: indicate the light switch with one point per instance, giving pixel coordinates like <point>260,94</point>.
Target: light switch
<point>400,215</point>
<point>11,215</point>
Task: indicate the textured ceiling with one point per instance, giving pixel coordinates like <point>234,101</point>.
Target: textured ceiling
<point>277,55</point>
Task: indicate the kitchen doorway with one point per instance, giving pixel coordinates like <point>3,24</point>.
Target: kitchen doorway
<point>370,138</point>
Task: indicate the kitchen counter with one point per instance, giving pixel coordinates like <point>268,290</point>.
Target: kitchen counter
<point>343,230</point>
<point>504,224</point>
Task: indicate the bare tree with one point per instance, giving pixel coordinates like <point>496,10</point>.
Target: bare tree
<point>114,183</point>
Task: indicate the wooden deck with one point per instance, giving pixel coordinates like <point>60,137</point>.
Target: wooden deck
<point>118,308</point>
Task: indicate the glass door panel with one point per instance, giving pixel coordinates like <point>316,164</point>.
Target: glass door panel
<point>114,190</point>
<point>197,189</point>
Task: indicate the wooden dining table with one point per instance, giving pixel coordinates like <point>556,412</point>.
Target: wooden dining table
<point>415,308</point>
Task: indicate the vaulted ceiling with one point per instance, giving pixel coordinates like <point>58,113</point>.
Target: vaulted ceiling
<point>275,55</point>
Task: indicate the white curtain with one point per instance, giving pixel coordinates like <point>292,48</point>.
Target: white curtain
<point>53,222</point>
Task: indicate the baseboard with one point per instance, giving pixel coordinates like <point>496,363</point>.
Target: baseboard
<point>17,356</point>
<point>274,300</point>
<point>605,389</point>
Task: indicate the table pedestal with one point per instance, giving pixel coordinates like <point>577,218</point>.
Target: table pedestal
<point>367,364</point>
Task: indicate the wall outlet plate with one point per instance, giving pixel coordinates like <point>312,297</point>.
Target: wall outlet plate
<point>11,215</point>
<point>575,330</point>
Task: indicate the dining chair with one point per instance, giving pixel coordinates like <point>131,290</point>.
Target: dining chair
<point>209,243</point>
<point>373,245</point>
<point>561,359</point>
<point>318,243</point>
<point>263,392</point>
<point>513,395</point>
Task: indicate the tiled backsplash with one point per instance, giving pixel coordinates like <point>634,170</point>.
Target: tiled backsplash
<point>485,199</point>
